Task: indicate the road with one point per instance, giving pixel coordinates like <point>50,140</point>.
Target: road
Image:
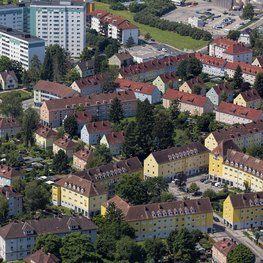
<point>28,104</point>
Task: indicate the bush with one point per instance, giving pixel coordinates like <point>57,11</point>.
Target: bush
<point>118,6</point>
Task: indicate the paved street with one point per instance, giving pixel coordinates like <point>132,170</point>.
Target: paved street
<point>28,104</point>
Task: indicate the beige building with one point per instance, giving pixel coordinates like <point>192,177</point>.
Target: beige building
<point>66,145</point>
<point>166,81</point>
<point>221,249</point>
<point>85,68</point>
<point>9,127</point>
<point>189,85</point>
<point>8,80</point>
<point>81,157</point>
<point>113,141</point>
<point>249,98</point>
<point>119,60</point>
<point>45,137</point>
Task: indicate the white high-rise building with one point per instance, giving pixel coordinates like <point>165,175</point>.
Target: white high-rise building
<point>60,22</point>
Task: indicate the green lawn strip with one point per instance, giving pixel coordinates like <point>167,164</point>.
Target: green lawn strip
<point>164,36</point>
<point>23,94</point>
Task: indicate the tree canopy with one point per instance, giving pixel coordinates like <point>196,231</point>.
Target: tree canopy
<point>60,162</point>
<point>258,85</point>
<point>241,254</point>
<point>116,111</point>
<point>71,125</point>
<point>101,155</point>
<point>11,105</point>
<point>248,11</point>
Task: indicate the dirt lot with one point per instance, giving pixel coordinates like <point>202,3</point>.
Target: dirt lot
<point>181,14</point>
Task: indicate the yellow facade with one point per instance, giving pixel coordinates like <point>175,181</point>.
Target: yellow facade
<point>44,142</point>
<point>185,88</point>
<point>215,165</point>
<point>239,100</point>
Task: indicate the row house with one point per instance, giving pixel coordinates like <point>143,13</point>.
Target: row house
<point>249,98</point>
<point>9,127</point>
<point>195,104</point>
<point>81,158</point>
<point>141,90</point>
<point>230,50</point>
<point>52,113</point>
<point>114,141</point>
<point>47,90</point>
<point>223,91</point>
<point>190,84</point>
<point>232,114</point>
<point>243,135</point>
<point>160,219</point>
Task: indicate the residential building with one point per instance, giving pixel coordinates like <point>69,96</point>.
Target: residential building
<point>150,70</point>
<point>14,200</point>
<point>190,160</point>
<point>114,27</point>
<point>89,85</point>
<point>8,80</point>
<point>232,114</point>
<point>81,157</point>
<point>189,85</point>
<point>230,50</point>
<point>166,81</point>
<point>212,66</point>
<point>53,112</point>
<point>195,104</point>
<point>9,127</point>
<point>243,135</point>
<point>258,61</point>
<point>241,211</point>
<point>41,257</point>
<point>107,176</point>
<point>141,90</point>
<point>85,68</point>
<point>60,22</point>
<point>249,72</point>
<point>8,174</point>
<point>245,37</point>
<point>249,98</point>
<point>220,92</point>
<point>221,249</point>
<point>20,46</point>
<point>120,60</point>
<point>19,237</point>
<point>66,145</point>
<point>78,194</point>
<point>114,141</point>
<point>47,90</point>
<point>195,21</point>
<point>45,137</point>
<point>93,131</point>
<point>160,219</point>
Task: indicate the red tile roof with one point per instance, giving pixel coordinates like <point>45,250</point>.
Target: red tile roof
<point>41,257</point>
<point>6,73</point>
<point>193,81</point>
<point>167,77</point>
<point>7,123</point>
<point>115,137</point>
<point>246,68</point>
<point>250,95</point>
<point>223,88</point>
<point>236,110</point>
<point>60,90</point>
<point>184,97</point>
<point>46,132</point>
<point>98,126</point>
<point>9,191</point>
<point>83,154</point>
<point>245,200</point>
<point>138,87</point>
<point>99,13</point>
<point>123,56</point>
<point>210,60</point>
<point>225,246</point>
<point>90,81</point>
<point>65,143</point>
<point>8,172</point>
<point>223,146</point>
<point>82,116</point>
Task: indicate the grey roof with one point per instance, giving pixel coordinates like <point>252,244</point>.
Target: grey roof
<point>57,3</point>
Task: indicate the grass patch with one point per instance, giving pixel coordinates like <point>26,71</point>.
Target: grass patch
<point>24,95</point>
<point>163,36</point>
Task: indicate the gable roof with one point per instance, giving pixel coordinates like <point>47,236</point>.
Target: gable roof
<point>191,82</point>
<point>7,123</point>
<point>9,172</point>
<point>167,77</point>
<point>236,110</point>
<point>82,116</point>
<point>223,88</point>
<point>246,68</point>
<point>98,126</point>
<point>184,97</point>
<point>90,81</point>
<point>5,74</point>
<point>243,200</point>
<point>9,191</point>
<point>123,56</point>
<point>83,154</point>
<point>115,137</point>
<point>250,95</point>
<point>260,60</point>
<point>46,132</point>
<point>225,246</point>
<point>41,257</point>
<point>64,143</point>
<point>88,64</point>
<point>223,146</point>
<point>98,13</point>
<point>210,60</point>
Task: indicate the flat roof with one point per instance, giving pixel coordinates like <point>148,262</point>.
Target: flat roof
<point>64,3</point>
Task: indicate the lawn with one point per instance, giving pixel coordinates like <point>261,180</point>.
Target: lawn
<point>163,36</point>
<point>22,93</point>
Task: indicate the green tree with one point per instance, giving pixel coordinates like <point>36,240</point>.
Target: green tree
<point>209,193</point>
<point>3,208</point>
<point>86,54</point>
<point>109,77</point>
<point>238,78</point>
<point>193,188</point>
<point>71,125</point>
<point>72,75</point>
<point>189,68</point>
<point>101,155</point>
<point>30,121</point>
<point>130,42</point>
<point>76,248</point>
<point>248,12</point>
<point>155,249</point>
<point>233,34</point>
<point>47,68</point>
<point>128,250</point>
<point>255,151</point>
<point>36,196</point>
<point>116,111</point>
<point>49,243</point>
<point>197,88</point>
<point>111,49</point>
<point>17,67</point>
<point>174,110</point>
<point>19,184</point>
<point>147,36</point>
<point>258,85</point>
<point>35,69</point>
<point>60,162</point>
<point>5,63</point>
<point>241,254</point>
<point>11,105</point>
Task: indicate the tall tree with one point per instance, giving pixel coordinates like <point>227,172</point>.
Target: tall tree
<point>241,254</point>
<point>233,34</point>
<point>116,111</point>
<point>86,54</point>
<point>248,11</point>
<point>72,75</point>
<point>17,67</point>
<point>189,68</point>
<point>109,77</point>
<point>11,105</point>
<point>60,162</point>
<point>35,69</point>
<point>174,111</point>
<point>130,42</point>
<point>47,69</point>
<point>3,208</point>
<point>71,125</point>
<point>155,249</point>
<point>258,85</point>
<point>100,156</point>
<point>5,63</point>
<point>238,78</point>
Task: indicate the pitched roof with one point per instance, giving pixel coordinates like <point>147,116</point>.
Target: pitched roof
<point>115,137</point>
<point>210,60</point>
<point>9,172</point>
<point>41,257</point>
<point>138,87</point>
<point>60,90</point>
<point>223,88</point>
<point>250,95</point>
<point>167,77</point>
<point>245,162</point>
<point>46,132</point>
<point>89,81</point>
<point>7,123</point>
<point>80,185</point>
<point>165,209</point>
<point>6,74</point>
<point>9,191</point>
<point>82,116</point>
<point>98,13</point>
<point>225,246</point>
<point>223,146</point>
<point>246,68</point>
<point>236,110</point>
<point>64,143</point>
<point>183,97</point>
<point>260,60</point>
<point>89,64</point>
<point>98,126</point>
<point>246,200</point>
<point>55,225</point>
<point>112,169</point>
<point>83,154</point>
<point>167,155</point>
<point>193,81</point>
<point>123,56</point>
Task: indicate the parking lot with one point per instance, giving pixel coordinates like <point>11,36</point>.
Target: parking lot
<point>215,17</point>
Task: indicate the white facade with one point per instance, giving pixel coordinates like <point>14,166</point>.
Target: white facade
<point>195,21</point>
<point>20,47</point>
<point>62,23</point>
<point>213,70</point>
<point>250,78</point>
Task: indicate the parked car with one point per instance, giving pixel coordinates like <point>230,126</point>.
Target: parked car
<point>216,219</point>
<point>202,180</point>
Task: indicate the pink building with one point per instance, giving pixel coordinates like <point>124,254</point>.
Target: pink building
<point>221,249</point>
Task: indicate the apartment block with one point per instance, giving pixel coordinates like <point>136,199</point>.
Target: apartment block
<point>160,219</point>
<point>166,81</point>
<point>249,98</point>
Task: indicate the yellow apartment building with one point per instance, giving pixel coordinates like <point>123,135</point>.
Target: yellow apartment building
<point>190,159</point>
<point>159,219</point>
<point>188,85</point>
<point>243,135</point>
<point>241,211</point>
<point>249,98</point>
<point>45,137</point>
<point>78,194</point>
